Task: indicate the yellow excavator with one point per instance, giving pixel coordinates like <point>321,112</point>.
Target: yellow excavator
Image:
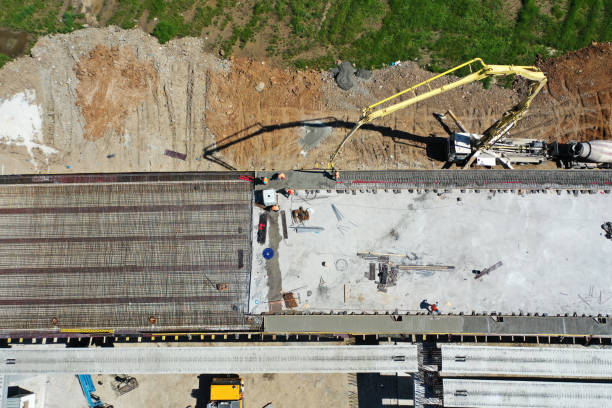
<point>478,70</point>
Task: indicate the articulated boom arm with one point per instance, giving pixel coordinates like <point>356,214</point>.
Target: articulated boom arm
<point>510,118</point>
<point>506,122</point>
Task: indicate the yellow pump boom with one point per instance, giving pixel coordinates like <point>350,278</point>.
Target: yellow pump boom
<point>492,134</point>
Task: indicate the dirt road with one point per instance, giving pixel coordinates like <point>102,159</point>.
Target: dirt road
<point>110,100</point>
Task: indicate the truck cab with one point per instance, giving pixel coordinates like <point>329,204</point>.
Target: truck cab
<point>459,147</point>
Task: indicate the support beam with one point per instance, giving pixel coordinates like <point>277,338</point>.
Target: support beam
<point>533,362</point>
<point>211,360</point>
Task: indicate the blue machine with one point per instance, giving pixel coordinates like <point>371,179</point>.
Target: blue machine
<point>88,389</point>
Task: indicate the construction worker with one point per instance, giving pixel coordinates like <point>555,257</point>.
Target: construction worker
<point>287,192</point>
<point>434,308</point>
<point>336,175</point>
<point>264,180</point>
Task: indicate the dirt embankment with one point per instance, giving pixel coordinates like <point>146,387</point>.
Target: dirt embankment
<point>257,111</point>
<point>270,129</point>
<point>115,100</point>
<point>577,103</point>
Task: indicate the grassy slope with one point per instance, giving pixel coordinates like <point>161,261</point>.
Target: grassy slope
<point>37,17</point>
<point>371,33</point>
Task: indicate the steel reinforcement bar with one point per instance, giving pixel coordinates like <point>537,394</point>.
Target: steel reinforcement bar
<point>451,179</point>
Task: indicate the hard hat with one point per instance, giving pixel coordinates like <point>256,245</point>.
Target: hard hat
<point>281,176</point>
<point>275,208</point>
<point>290,191</point>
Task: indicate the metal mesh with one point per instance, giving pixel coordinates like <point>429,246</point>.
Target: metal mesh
<point>110,255</point>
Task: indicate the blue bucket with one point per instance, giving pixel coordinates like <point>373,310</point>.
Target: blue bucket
<point>268,253</point>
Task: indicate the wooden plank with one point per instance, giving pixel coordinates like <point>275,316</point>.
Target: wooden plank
<point>284,222</point>
<point>176,155</point>
<point>488,270</point>
<point>262,228</point>
<point>426,267</point>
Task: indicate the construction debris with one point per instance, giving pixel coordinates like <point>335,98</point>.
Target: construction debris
<point>487,270</point>
<point>300,215</point>
<point>176,155</point>
<point>124,384</point>
<point>284,223</point>
<point>289,299</point>
<point>387,276</point>
<point>337,212</point>
<point>308,229</point>
<point>426,267</point>
<point>262,228</point>
<point>388,270</point>
<point>607,227</point>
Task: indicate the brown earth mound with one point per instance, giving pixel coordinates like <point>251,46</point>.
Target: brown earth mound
<point>251,111</point>
<point>112,82</point>
<point>577,103</point>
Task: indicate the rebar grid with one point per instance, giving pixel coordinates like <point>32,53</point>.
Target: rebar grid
<point>110,255</point>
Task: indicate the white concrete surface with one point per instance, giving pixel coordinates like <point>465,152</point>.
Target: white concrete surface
<point>3,391</point>
<point>32,383</point>
<point>212,360</point>
<point>543,362</point>
<point>525,394</point>
<point>555,257</point>
<point>172,391</point>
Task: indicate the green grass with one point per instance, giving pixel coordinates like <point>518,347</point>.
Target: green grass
<point>4,59</point>
<point>370,33</point>
<point>69,18</point>
<point>127,13</point>
<point>165,31</point>
<point>34,16</point>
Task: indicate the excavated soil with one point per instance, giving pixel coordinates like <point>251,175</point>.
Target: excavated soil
<point>112,83</point>
<point>116,100</point>
<point>577,104</point>
<point>260,129</point>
